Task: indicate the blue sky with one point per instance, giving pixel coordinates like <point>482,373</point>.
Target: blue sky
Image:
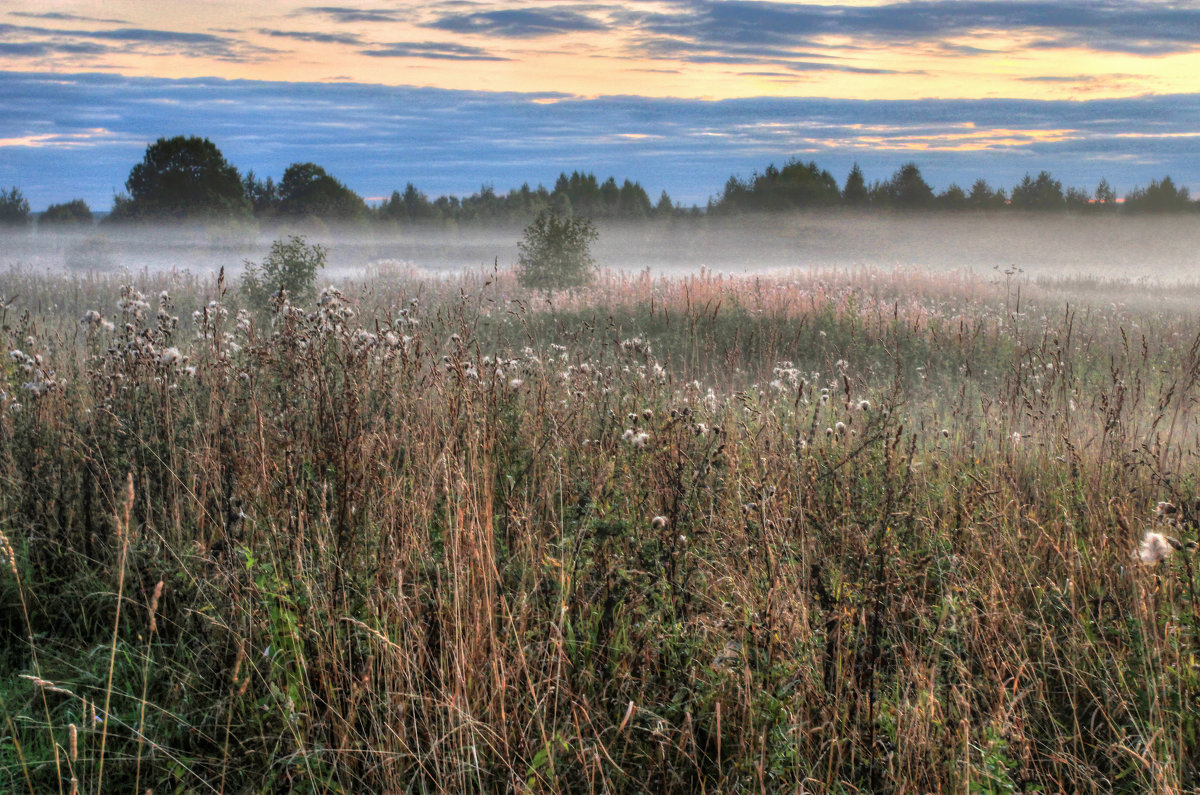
<point>678,95</point>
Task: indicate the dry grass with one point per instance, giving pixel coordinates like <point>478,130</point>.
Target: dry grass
<point>836,532</point>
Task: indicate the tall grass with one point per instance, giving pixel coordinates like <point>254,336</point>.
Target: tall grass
<point>854,531</point>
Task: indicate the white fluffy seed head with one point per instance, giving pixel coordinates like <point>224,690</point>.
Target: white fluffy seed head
<point>1155,548</point>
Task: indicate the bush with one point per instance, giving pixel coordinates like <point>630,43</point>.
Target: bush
<point>73,213</point>
<point>291,266</point>
<point>555,251</point>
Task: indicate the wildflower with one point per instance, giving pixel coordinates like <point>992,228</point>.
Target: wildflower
<point>945,433</point>
<point>1165,511</point>
<point>641,440</point>
<point>1155,549</point>
<point>633,418</point>
<point>169,357</point>
<point>1016,438</point>
<point>628,435</point>
<point>840,428</point>
<point>829,431</point>
<point>864,405</point>
<point>701,429</point>
<point>658,522</point>
<point>647,414</point>
<point>515,383</point>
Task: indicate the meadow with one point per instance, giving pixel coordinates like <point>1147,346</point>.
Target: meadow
<point>830,531</point>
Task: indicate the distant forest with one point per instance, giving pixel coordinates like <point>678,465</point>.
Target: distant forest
<point>188,179</point>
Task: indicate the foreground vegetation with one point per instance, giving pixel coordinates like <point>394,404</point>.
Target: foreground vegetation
<point>833,532</point>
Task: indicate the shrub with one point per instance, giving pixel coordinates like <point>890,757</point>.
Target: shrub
<point>73,213</point>
<point>555,251</point>
<point>291,266</point>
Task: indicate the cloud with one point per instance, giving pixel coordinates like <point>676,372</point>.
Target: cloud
<point>430,49</point>
<point>1140,27</point>
<point>78,135</point>
<point>64,17</point>
<point>43,49</point>
<point>347,14</point>
<point>519,23</point>
<point>313,36</point>
<point>45,41</point>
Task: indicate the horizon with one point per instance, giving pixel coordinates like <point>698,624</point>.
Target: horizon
<point>676,96</point>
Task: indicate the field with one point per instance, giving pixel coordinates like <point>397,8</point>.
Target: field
<point>835,531</point>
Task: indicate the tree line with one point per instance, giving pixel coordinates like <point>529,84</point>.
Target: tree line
<point>186,178</point>
<point>801,185</point>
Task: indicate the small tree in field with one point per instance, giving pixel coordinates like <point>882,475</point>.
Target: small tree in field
<point>555,252</point>
<point>14,208</point>
<point>291,266</point>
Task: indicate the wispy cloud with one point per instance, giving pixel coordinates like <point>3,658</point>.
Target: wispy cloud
<point>519,23</point>
<point>43,49</point>
<point>350,14</point>
<point>44,40</point>
<point>64,17</point>
<point>316,37</point>
<point>1131,26</point>
<point>430,49</point>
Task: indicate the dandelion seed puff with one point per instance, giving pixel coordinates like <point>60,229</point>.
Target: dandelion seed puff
<point>658,522</point>
<point>1155,549</point>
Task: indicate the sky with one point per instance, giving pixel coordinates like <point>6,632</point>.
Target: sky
<point>455,94</point>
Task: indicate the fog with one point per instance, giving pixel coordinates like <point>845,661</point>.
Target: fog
<point>1160,249</point>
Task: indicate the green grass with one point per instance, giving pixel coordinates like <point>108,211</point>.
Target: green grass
<point>409,545</point>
